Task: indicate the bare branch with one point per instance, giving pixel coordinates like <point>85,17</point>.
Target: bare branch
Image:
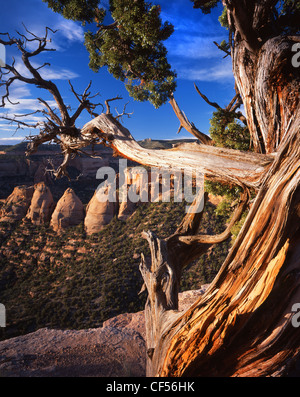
<point>234,103</point>
<point>185,123</point>
<point>37,140</point>
<point>36,79</point>
<point>110,100</point>
<point>20,123</point>
<point>231,107</point>
<point>213,104</point>
<point>7,85</point>
<point>218,164</point>
<point>228,53</point>
<point>124,113</point>
<point>50,112</point>
<point>208,239</point>
<point>85,103</point>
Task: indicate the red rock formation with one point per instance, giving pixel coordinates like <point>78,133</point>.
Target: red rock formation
<point>16,205</point>
<point>69,211</point>
<point>42,205</point>
<point>99,212</point>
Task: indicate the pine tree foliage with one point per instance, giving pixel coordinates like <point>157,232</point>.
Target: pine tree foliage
<point>77,10</point>
<point>131,47</point>
<point>227,131</point>
<point>205,5</point>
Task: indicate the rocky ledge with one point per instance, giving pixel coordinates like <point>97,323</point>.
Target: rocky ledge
<point>116,349</point>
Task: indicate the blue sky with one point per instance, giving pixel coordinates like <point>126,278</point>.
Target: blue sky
<point>191,53</point>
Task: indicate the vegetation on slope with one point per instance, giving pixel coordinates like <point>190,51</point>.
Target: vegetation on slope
<point>76,281</point>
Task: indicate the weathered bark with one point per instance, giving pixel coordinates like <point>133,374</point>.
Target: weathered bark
<point>232,166</point>
<point>162,276</point>
<point>244,318</point>
<point>241,326</point>
<point>266,79</point>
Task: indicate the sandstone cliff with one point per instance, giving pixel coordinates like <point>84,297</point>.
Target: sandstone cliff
<point>100,211</point>
<point>117,349</point>
<point>69,211</point>
<point>42,205</point>
<point>16,205</point>
<point>127,208</point>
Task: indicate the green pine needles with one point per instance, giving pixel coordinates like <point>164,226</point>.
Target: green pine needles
<point>130,45</point>
<point>133,51</point>
<point>77,10</point>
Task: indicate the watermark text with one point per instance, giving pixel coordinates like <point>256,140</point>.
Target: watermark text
<point>138,184</point>
<point>2,315</point>
<point>296,317</point>
<point>296,57</point>
<point>2,56</point>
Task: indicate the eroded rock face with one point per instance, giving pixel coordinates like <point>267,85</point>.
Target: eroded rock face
<point>100,352</point>
<point>41,175</point>
<point>127,208</point>
<point>68,212</point>
<point>42,205</point>
<point>100,210</point>
<point>117,349</point>
<point>16,205</point>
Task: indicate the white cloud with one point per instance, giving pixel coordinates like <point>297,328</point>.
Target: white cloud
<point>12,138</point>
<point>70,30</point>
<point>194,47</point>
<point>23,105</point>
<point>47,73</point>
<point>19,89</point>
<point>59,74</point>
<point>179,137</point>
<point>220,72</point>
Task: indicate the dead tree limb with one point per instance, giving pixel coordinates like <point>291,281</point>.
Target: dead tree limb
<point>185,123</point>
<point>218,164</point>
<point>230,108</point>
<point>59,126</point>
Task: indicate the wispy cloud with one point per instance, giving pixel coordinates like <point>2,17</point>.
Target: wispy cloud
<point>194,47</point>
<point>70,30</point>
<point>59,74</point>
<point>209,74</point>
<point>220,71</point>
<point>24,105</point>
<point>47,72</point>
<point>12,138</point>
<point>19,89</point>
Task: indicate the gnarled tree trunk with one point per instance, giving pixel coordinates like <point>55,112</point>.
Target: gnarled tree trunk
<point>242,325</point>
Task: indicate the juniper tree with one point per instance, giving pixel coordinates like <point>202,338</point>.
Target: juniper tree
<point>242,325</point>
